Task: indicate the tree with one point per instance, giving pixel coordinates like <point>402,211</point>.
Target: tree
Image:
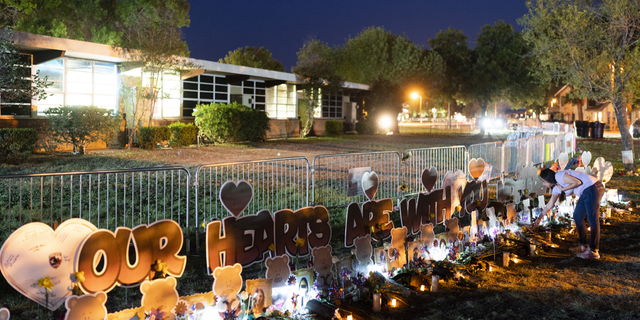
<point>93,21</point>
<point>152,41</point>
<point>500,69</point>
<point>253,57</point>
<point>592,45</point>
<point>389,63</point>
<point>17,83</point>
<point>315,69</point>
<point>451,45</point>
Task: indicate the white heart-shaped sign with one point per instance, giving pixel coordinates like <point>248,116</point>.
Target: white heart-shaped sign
<point>563,159</point>
<point>476,167</point>
<point>35,251</point>
<point>370,184</point>
<point>586,158</point>
<point>236,196</point>
<point>605,169</point>
<point>429,178</point>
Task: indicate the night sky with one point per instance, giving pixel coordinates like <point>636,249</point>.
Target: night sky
<point>282,26</point>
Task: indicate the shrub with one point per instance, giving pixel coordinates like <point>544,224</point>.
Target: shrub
<point>82,125</point>
<point>363,127</point>
<point>150,136</point>
<point>333,128</point>
<point>14,141</point>
<point>233,122</point>
<point>182,134</point>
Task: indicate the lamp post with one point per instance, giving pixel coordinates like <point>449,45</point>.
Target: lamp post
<point>415,95</point>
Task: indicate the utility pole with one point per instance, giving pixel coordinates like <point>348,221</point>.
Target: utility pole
<point>449,115</point>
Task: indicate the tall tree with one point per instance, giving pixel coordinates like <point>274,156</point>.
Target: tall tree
<point>500,70</point>
<point>592,45</point>
<point>316,70</point>
<point>253,57</point>
<point>152,41</point>
<point>451,45</point>
<point>83,20</point>
<point>390,64</point>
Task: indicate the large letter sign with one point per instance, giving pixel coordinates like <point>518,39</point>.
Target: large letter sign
<point>245,240</point>
<point>161,240</point>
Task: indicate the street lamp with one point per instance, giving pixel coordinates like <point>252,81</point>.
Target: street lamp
<point>415,95</point>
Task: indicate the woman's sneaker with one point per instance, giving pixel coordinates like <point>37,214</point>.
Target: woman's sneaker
<point>579,249</point>
<point>588,254</point>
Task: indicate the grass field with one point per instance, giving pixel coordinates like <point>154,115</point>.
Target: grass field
<point>553,285</point>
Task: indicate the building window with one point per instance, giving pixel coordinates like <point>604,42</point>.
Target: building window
<point>282,101</point>
<point>203,89</point>
<point>19,107</point>
<point>76,82</point>
<point>332,105</point>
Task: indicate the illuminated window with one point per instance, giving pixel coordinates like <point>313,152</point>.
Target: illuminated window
<point>77,82</point>
<point>282,101</point>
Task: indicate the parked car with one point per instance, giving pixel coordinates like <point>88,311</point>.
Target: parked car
<point>635,129</point>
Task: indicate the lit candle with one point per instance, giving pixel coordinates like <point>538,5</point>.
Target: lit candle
<point>422,287</point>
<point>376,302</point>
<point>434,283</point>
<point>349,317</point>
<point>505,259</point>
<point>490,268</point>
<point>532,248</point>
<point>393,303</point>
<point>541,202</point>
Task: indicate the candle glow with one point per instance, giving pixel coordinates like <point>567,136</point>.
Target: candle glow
<point>393,303</point>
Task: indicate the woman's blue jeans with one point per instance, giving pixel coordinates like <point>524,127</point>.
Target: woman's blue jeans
<point>589,206</point>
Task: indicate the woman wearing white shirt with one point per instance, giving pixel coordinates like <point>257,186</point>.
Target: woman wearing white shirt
<point>590,190</point>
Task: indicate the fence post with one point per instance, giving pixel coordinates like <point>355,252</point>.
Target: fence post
<point>502,162</point>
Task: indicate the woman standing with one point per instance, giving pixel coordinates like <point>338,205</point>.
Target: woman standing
<point>590,190</point>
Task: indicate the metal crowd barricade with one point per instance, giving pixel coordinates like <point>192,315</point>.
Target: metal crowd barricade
<point>331,183</point>
<point>277,183</point>
<point>106,198</point>
<point>490,152</point>
<point>551,147</point>
<point>510,156</point>
<point>443,158</point>
<point>536,147</point>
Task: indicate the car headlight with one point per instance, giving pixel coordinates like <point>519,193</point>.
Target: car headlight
<point>385,122</point>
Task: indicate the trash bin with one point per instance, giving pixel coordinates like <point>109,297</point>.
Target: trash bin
<point>601,130</point>
<point>597,129</point>
<point>582,129</point>
<point>592,130</point>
